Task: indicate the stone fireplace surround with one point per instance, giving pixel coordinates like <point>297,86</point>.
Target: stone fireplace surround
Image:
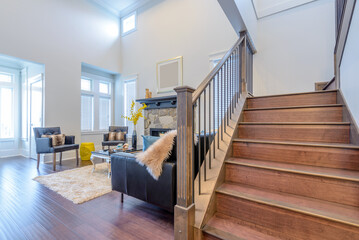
<point>161,112</point>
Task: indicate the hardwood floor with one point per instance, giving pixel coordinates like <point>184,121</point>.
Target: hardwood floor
<point>29,210</point>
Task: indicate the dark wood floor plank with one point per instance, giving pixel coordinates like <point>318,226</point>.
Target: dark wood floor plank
<point>29,210</point>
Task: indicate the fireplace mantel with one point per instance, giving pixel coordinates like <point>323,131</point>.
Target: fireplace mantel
<point>159,102</point>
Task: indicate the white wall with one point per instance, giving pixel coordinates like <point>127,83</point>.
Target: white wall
<point>166,29</point>
<point>249,17</point>
<point>349,70</point>
<point>295,49</point>
<point>60,34</point>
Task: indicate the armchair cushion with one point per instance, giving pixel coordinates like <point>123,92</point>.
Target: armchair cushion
<point>112,143</point>
<point>64,148</point>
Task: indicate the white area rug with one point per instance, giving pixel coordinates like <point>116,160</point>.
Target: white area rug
<point>80,184</point>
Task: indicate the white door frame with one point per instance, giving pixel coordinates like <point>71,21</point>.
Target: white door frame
<point>33,80</point>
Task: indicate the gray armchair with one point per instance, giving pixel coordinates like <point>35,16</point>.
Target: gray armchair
<point>44,145</point>
<point>108,143</point>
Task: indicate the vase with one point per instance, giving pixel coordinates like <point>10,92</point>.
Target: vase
<point>134,139</point>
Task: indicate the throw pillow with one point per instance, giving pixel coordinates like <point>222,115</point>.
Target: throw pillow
<point>120,136</point>
<point>157,153</point>
<point>57,139</point>
<point>112,136</point>
<point>148,141</point>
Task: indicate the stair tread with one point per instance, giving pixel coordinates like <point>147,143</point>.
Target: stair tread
<point>311,144</point>
<point>293,107</point>
<point>294,123</point>
<point>299,169</point>
<point>292,94</point>
<point>314,207</point>
<point>225,227</point>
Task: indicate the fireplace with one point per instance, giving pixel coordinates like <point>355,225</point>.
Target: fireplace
<point>161,113</point>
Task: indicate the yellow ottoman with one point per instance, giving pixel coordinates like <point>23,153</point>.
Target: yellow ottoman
<point>85,150</point>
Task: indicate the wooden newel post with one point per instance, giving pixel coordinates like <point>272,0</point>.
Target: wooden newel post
<point>184,210</point>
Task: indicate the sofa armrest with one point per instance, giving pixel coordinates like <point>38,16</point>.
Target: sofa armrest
<point>43,145</point>
<point>69,139</point>
<point>162,192</point>
<point>131,178</point>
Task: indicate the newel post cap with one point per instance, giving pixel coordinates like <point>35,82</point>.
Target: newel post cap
<point>184,89</point>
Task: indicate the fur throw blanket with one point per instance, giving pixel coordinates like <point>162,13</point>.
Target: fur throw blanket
<point>157,153</point>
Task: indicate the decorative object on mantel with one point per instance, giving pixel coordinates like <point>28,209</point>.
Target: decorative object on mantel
<point>134,116</point>
<point>148,93</point>
<point>169,74</point>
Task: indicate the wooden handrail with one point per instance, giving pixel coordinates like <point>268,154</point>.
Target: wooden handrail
<point>215,70</point>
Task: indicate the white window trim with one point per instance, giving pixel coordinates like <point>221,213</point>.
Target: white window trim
<point>96,79</point>
<point>132,30</point>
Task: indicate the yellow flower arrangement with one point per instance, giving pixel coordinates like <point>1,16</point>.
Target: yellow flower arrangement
<point>135,115</point>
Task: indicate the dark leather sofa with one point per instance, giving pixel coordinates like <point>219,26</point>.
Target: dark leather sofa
<point>128,177</point>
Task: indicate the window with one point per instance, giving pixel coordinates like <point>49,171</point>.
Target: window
<point>87,113</point>
<point>86,84</point>
<point>128,23</point>
<point>5,78</point>
<point>104,112</point>
<point>6,106</point>
<point>96,103</point>
<point>104,88</point>
<point>130,95</point>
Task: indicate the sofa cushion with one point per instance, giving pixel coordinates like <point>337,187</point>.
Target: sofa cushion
<point>157,153</point>
<point>148,141</point>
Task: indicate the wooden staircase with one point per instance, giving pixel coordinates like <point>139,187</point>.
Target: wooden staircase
<point>293,173</point>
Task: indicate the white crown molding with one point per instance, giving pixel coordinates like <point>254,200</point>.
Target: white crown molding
<point>133,7</point>
<point>107,7</point>
<point>277,8</point>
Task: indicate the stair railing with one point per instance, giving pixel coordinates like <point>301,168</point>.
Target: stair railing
<point>203,116</point>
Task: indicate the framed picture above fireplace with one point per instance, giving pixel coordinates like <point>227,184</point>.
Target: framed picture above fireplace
<point>169,74</point>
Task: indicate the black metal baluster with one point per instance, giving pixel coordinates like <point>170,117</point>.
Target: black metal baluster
<point>209,124</point>
<point>230,87</point>
<point>218,103</point>
<point>204,136</point>
<point>199,144</point>
<point>224,97</point>
<point>214,117</point>
<point>222,115</point>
